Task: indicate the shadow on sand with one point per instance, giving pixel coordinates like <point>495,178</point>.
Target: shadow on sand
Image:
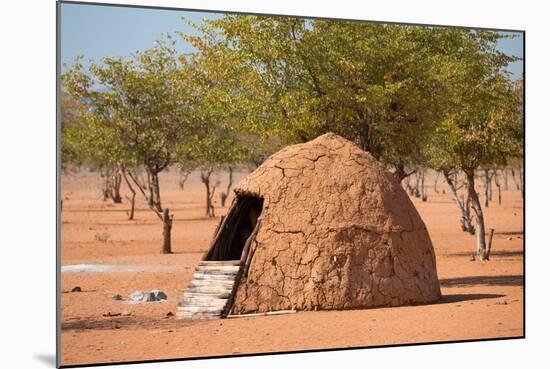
<point>502,253</point>
<point>450,299</point>
<point>504,280</point>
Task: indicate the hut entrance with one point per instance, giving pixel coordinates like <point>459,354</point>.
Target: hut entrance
<point>235,230</point>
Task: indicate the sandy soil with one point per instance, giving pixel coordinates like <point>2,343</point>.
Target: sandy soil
<point>480,300</point>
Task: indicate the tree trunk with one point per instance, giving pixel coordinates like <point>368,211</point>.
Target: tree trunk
<point>480,222</point>
<point>205,178</point>
<point>423,194</point>
<point>435,182</point>
<point>167,220</point>
<point>463,206</point>
<point>115,190</point>
<point>154,190</point>
<point>497,183</point>
<point>416,191</point>
<point>490,242</point>
<point>487,184</point>
<point>105,175</point>
<point>131,188</point>
<point>225,195</point>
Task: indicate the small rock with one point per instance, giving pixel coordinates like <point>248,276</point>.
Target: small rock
<point>147,296</point>
<point>76,289</point>
<point>472,257</point>
<point>117,297</point>
<point>159,295</point>
<point>509,238</point>
<point>136,296</point>
<point>126,313</point>
<point>169,314</point>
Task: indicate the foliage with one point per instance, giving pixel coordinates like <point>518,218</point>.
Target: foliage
<point>482,125</point>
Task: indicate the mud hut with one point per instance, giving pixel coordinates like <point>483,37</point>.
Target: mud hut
<point>319,225</point>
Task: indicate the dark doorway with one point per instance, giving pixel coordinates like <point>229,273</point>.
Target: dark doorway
<point>236,229</point>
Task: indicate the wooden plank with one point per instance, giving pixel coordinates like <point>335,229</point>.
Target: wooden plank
<point>197,283</point>
<point>220,262</point>
<point>208,290</point>
<point>208,283</point>
<point>218,268</point>
<point>202,300</point>
<point>217,272</point>
<point>214,278</point>
<point>206,303</point>
<point>212,281</point>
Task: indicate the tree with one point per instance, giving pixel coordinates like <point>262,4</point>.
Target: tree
<point>139,115</point>
<point>302,78</point>
<point>481,126</point>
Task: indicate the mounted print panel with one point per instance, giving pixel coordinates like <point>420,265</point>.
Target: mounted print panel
<point>240,184</point>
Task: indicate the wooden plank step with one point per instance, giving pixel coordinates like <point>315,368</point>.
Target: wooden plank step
<point>213,280</point>
<point>215,273</point>
<point>218,267</point>
<point>219,262</point>
<point>203,299</point>
<point>214,277</point>
<point>210,286</point>
<point>221,266</point>
<point>210,283</point>
<point>203,302</point>
<point>231,271</point>
<point>210,294</point>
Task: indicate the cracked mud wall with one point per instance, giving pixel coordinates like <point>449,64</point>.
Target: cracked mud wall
<point>337,232</point>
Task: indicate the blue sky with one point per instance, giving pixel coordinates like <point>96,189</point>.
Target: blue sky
<point>99,31</point>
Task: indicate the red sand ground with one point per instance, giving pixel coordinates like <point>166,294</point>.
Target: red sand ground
<point>480,300</point>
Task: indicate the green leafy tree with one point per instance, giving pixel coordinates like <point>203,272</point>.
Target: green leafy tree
<point>138,116</point>
<point>375,84</point>
<point>482,126</point>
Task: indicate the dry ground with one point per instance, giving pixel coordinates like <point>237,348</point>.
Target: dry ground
<point>480,300</point>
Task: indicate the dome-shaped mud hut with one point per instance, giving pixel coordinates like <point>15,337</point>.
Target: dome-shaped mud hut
<point>319,225</point>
